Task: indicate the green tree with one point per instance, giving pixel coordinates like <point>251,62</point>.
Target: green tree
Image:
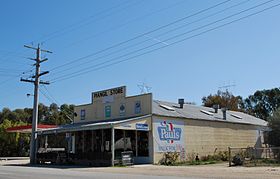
<point>13,144</point>
<point>274,124</point>
<point>224,100</point>
<point>263,103</point>
<point>16,144</point>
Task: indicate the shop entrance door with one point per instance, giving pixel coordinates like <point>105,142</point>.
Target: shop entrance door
<point>135,141</point>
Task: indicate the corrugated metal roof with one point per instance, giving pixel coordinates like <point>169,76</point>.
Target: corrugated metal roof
<point>195,112</point>
<point>90,125</point>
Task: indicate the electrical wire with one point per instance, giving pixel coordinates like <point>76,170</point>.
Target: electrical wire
<point>157,36</point>
<point>141,35</point>
<point>45,95</point>
<point>89,20</point>
<point>7,58</point>
<point>176,42</point>
<point>17,76</point>
<point>137,19</point>
<point>51,98</point>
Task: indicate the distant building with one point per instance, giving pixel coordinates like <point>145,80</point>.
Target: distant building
<point>113,123</point>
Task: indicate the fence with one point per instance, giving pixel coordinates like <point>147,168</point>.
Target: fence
<point>251,156</point>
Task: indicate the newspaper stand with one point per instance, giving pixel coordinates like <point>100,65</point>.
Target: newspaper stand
<point>127,158</point>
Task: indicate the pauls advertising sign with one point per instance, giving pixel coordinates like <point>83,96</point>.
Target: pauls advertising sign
<point>167,132</point>
<point>169,135</point>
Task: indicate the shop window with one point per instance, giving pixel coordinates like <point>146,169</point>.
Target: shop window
<point>130,141</point>
<point>98,147</point>
<point>119,143</point>
<point>88,141</point>
<point>57,141</point>
<point>143,143</point>
<point>107,140</point>
<point>83,114</point>
<point>79,138</point>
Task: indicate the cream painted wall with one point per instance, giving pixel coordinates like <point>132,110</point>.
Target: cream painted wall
<point>96,111</point>
<point>205,137</point>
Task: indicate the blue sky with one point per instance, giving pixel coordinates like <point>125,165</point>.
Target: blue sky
<point>245,53</point>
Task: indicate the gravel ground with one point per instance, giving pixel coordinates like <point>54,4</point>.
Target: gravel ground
<point>202,171</point>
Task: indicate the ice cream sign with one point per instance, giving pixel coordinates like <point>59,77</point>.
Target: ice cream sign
<point>167,132</point>
<point>169,135</point>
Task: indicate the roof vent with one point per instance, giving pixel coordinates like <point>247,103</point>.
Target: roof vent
<point>167,107</point>
<point>236,116</point>
<point>224,110</point>
<point>216,107</point>
<point>207,112</point>
<point>181,102</point>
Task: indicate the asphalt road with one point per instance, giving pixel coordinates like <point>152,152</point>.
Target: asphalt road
<point>20,169</point>
<point>25,172</point>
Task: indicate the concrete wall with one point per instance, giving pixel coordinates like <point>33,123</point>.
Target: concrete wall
<point>207,137</point>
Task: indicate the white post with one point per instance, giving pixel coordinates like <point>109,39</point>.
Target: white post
<point>113,145</point>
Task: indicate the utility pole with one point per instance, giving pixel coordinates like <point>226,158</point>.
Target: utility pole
<point>36,81</point>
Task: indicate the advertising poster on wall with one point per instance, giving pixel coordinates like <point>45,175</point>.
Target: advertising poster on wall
<point>169,136</point>
<point>137,107</point>
<point>107,111</point>
<point>122,110</point>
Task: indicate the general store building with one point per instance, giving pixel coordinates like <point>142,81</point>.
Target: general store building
<point>113,123</point>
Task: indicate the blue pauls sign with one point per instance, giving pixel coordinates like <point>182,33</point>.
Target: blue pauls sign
<point>167,132</point>
<point>169,135</point>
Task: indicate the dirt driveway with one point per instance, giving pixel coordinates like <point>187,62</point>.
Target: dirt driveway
<point>201,171</point>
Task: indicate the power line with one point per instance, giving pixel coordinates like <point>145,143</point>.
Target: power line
<point>14,77</point>
<point>171,38</point>
<point>88,20</point>
<point>46,96</point>
<point>164,33</point>
<point>141,35</point>
<point>10,70</point>
<point>18,51</point>
<point>51,95</point>
<point>51,99</point>
<point>137,19</point>
<point>176,42</point>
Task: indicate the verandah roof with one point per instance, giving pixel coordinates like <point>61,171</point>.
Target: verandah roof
<point>28,128</point>
<point>104,124</point>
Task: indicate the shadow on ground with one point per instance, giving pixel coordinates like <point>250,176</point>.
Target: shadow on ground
<point>49,166</point>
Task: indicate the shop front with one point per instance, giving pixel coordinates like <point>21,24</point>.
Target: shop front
<point>97,144</point>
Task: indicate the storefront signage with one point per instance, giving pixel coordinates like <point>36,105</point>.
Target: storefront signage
<point>83,114</point>
<point>109,92</point>
<point>137,107</point>
<point>169,135</point>
<point>108,99</point>
<point>107,111</point>
<point>142,127</point>
<point>167,132</point>
<point>126,125</point>
<point>122,110</point>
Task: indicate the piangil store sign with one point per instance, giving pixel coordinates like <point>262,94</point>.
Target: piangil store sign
<point>110,92</point>
<point>169,136</point>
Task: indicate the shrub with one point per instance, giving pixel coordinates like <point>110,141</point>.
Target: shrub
<point>169,158</point>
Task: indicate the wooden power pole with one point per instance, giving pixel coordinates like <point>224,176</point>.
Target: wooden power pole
<point>36,81</point>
